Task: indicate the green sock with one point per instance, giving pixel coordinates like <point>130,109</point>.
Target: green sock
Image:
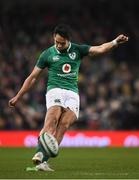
<point>40,149</point>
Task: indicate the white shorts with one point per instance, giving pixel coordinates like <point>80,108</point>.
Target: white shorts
<point>64,98</point>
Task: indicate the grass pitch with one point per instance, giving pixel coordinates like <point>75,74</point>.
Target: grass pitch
<point>73,163</point>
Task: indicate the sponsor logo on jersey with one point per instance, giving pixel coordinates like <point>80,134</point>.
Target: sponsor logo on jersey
<point>66,68</point>
<point>67,75</point>
<point>72,55</point>
<point>56,58</point>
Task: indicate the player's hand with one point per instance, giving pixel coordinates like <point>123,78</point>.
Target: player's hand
<point>121,39</point>
<point>13,102</point>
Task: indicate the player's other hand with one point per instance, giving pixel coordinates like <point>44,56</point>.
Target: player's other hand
<point>121,39</point>
<point>13,101</point>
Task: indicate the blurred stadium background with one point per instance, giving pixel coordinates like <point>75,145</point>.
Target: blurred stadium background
<point>109,85</point>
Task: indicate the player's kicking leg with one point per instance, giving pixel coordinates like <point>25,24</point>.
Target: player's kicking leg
<point>67,118</point>
<point>51,120</point>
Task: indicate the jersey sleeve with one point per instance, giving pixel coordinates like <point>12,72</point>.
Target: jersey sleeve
<point>84,50</point>
<point>42,60</point>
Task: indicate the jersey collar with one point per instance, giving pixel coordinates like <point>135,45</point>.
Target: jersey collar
<point>67,49</point>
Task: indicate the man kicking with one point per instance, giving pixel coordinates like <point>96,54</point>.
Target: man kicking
<point>62,99</point>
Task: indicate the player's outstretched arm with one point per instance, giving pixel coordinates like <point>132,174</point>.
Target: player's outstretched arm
<point>27,85</point>
<point>106,47</point>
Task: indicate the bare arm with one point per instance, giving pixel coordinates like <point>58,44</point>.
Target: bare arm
<point>27,85</point>
<point>106,47</point>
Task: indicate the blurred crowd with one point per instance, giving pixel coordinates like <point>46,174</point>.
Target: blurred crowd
<point>108,85</point>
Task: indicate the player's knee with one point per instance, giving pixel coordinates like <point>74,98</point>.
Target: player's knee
<point>50,124</point>
<point>51,120</point>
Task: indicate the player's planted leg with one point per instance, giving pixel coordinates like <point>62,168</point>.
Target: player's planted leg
<point>66,120</point>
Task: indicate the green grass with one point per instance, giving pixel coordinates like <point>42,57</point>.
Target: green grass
<point>73,163</point>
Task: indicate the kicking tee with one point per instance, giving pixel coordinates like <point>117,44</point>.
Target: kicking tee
<point>63,67</point>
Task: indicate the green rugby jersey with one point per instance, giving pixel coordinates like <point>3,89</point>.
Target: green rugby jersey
<point>63,67</point>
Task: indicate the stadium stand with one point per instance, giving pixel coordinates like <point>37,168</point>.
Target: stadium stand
<point>109,85</point>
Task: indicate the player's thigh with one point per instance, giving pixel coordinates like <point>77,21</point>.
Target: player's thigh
<point>68,118</point>
<point>53,115</point>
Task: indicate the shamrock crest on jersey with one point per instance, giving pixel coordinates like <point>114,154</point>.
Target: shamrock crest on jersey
<point>66,68</point>
<point>72,55</point>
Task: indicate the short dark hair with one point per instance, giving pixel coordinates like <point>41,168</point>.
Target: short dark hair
<point>63,30</point>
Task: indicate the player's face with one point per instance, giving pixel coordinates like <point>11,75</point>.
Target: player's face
<point>61,42</point>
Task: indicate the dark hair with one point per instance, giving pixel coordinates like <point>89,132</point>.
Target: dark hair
<point>63,30</point>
